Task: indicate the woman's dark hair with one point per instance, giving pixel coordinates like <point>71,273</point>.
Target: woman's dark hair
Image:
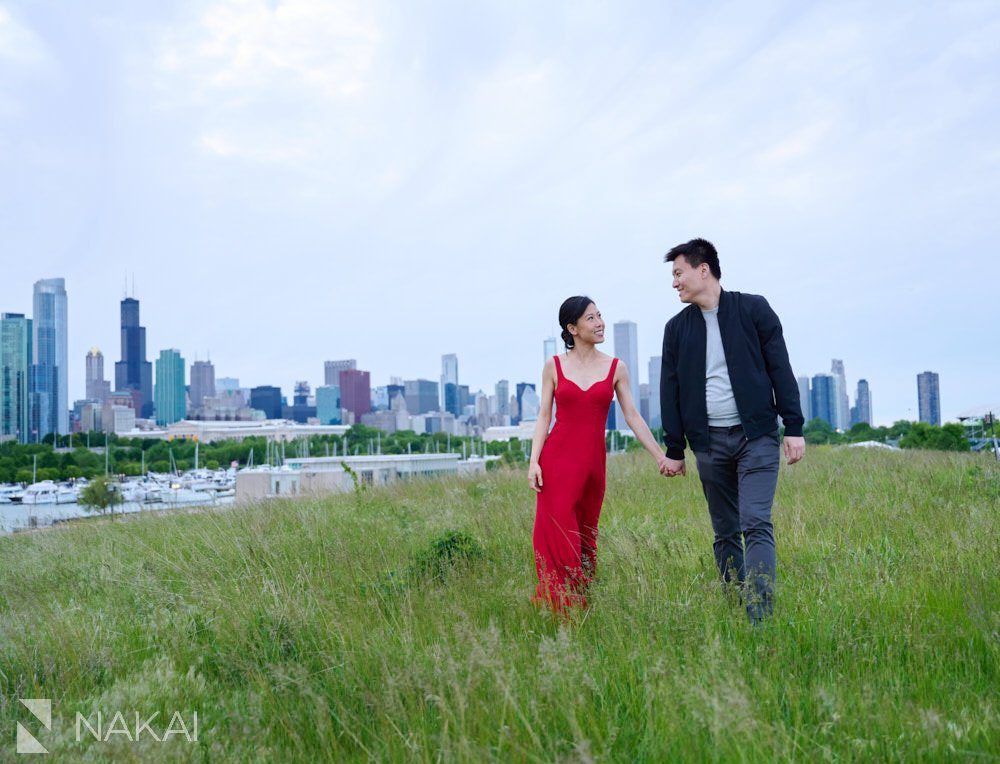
<point>570,312</point>
<point>696,252</point>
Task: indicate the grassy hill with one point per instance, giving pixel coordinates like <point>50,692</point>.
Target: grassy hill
<point>355,627</point>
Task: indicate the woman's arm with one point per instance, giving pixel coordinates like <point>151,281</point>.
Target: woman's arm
<point>542,425</point>
<point>632,416</point>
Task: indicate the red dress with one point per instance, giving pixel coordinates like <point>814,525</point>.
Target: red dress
<point>569,505</point>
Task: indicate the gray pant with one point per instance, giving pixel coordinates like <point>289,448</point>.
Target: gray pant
<point>739,478</point>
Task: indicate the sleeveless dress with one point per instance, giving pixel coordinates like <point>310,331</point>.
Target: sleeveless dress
<point>567,509</point>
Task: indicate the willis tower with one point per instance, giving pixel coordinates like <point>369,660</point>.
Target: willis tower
<point>133,372</point>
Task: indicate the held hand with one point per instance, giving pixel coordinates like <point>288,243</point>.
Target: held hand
<point>535,478</point>
<point>671,467</point>
<point>795,449</point>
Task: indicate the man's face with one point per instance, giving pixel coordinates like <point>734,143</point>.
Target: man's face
<point>689,282</point>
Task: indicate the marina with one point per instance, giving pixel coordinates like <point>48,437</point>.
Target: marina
<point>47,502</point>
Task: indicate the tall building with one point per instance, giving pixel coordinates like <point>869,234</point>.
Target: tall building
<point>171,397</point>
<point>227,385</point>
<point>301,410</point>
<point>450,394</point>
<point>49,396</point>
<point>133,372</point>
<point>524,392</point>
<point>528,404</point>
<point>332,369</point>
<point>929,397</point>
<point>549,349</point>
<point>98,388</point>
<point>202,383</point>
<point>655,417</point>
<point>503,397</point>
<point>862,404</point>
<point>627,349</point>
<point>15,376</point>
<point>266,398</point>
<point>328,404</point>
<point>823,400</point>
<point>395,390</point>
<point>356,393</point>
<point>805,399</point>
<point>644,397</point>
<point>449,383</point>
<point>842,406</point>
<point>422,395</point>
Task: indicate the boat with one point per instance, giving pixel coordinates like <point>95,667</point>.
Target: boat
<point>10,494</point>
<point>48,492</point>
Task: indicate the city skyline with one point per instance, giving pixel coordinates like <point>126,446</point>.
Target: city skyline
<point>843,409</point>
<point>379,186</point>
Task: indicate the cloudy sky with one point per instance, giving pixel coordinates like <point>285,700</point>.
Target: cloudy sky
<point>289,182</point>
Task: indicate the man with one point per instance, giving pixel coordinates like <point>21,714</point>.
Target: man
<point>725,379</point>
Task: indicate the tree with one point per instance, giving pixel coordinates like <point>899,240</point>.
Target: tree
<point>950,437</point>
<point>818,431</point>
<point>100,495</point>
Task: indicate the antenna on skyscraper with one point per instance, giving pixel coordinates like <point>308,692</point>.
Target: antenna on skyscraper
<point>133,283</point>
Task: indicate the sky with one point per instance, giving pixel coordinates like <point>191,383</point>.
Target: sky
<point>292,182</point>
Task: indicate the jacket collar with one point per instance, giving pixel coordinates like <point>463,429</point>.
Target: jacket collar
<point>725,298</point>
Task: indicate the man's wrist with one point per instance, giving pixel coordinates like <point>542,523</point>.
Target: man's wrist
<point>675,453</point>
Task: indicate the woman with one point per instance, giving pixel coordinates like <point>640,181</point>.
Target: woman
<point>567,466</point>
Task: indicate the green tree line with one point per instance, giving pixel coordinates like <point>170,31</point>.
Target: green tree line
<point>127,456</point>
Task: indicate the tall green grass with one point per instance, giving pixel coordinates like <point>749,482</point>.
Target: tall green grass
<point>337,628</point>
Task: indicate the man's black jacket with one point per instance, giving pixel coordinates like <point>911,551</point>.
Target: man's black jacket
<point>761,376</point>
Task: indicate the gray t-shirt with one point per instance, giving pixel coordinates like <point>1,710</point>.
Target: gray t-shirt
<point>722,411</point>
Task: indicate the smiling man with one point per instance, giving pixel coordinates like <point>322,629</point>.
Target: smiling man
<point>725,379</point>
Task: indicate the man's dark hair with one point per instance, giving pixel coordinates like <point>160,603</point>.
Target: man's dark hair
<point>696,252</point>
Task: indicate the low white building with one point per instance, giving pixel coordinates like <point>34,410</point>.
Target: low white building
<point>317,475</point>
<point>523,431</point>
<point>273,429</point>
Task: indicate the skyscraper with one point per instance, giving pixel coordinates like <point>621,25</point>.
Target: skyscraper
<point>133,372</point>
<point>503,397</point>
<point>98,388</point>
<point>863,403</point>
<point>15,376</point>
<point>202,383</point>
<point>842,407</point>
<point>356,393</point>
<point>170,393</point>
<point>528,402</point>
<point>824,389</point>
<point>301,410</point>
<point>929,397</point>
<point>50,397</point>
<point>627,349</point>
<point>332,369</point>
<point>227,385</point>
<point>328,404</point>
<point>266,398</point>
<point>548,349</point>
<point>449,384</point>
<point>805,399</point>
<point>422,395</point>
<point>655,417</point>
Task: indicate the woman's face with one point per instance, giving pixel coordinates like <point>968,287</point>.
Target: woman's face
<point>589,327</point>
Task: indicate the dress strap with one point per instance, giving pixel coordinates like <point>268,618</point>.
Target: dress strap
<point>611,374</point>
<point>559,371</point>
